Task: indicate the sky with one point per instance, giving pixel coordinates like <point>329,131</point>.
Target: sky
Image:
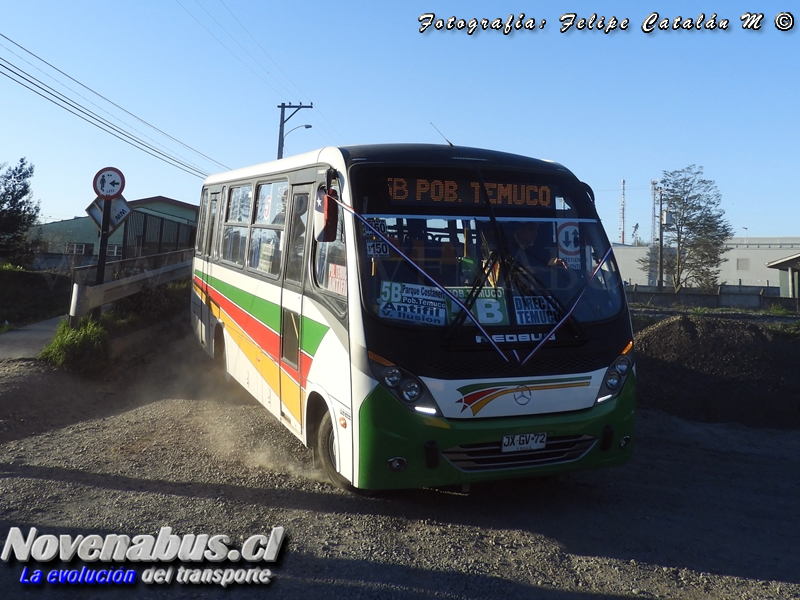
<point>211,73</point>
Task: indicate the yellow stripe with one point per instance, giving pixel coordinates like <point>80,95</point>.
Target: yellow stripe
<point>268,369</point>
<point>476,408</point>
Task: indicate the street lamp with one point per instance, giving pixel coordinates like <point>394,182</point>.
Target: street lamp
<point>745,231</point>
<point>280,150</point>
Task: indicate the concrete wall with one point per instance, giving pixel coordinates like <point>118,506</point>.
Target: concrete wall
<point>745,261</point>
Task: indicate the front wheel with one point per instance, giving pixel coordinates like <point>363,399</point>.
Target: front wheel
<point>326,451</point>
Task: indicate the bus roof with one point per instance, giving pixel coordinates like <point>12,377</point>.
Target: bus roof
<point>444,154</point>
<point>385,153</point>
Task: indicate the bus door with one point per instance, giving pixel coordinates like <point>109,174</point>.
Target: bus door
<point>292,308</point>
<point>205,234</point>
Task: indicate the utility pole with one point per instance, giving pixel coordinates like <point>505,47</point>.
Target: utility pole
<point>660,240</point>
<point>622,215</point>
<point>653,184</point>
<point>283,106</point>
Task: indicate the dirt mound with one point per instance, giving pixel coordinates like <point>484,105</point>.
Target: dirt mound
<point>717,370</point>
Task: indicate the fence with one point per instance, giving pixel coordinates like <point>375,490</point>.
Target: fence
<point>726,296</point>
<point>147,234</point>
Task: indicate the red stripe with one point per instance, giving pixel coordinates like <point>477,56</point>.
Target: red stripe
<point>267,340</point>
<point>474,397</point>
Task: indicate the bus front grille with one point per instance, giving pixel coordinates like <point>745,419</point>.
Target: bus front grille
<point>489,456</point>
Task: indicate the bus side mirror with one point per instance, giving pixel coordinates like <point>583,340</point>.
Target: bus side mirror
<point>326,216</point>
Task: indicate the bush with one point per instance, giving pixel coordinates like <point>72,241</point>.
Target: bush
<point>777,309</point>
<point>156,303</point>
<point>83,350</point>
<point>32,296</point>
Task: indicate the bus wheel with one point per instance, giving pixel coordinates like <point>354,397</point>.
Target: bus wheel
<point>325,449</point>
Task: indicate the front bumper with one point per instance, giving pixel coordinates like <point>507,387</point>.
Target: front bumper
<point>436,451</point>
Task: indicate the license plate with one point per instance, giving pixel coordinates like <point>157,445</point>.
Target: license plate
<point>524,441</point>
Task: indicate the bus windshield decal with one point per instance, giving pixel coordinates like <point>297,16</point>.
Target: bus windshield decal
<point>427,304</point>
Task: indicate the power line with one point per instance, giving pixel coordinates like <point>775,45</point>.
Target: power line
<point>93,119</point>
<point>89,101</point>
<point>261,47</point>
<point>221,26</point>
<point>113,103</point>
<point>247,31</point>
<point>221,43</point>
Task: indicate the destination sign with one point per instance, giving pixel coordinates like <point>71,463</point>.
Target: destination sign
<point>434,192</point>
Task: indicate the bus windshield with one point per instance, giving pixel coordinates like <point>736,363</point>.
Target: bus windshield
<point>517,248</point>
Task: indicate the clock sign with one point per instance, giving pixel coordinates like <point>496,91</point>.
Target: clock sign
<point>109,183</point>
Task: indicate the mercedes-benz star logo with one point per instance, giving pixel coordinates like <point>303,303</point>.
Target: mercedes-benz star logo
<point>522,395</point>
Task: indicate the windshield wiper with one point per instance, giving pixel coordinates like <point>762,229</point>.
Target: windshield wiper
<point>477,286</point>
<point>530,285</point>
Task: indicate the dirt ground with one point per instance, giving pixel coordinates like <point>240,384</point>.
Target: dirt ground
<point>720,370</point>
<point>707,508</point>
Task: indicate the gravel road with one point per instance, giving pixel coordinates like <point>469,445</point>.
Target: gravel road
<point>703,511</point>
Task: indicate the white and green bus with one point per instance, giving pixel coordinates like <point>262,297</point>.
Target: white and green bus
<point>420,315</point>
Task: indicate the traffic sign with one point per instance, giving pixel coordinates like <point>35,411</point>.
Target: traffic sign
<point>120,210</point>
<point>109,183</point>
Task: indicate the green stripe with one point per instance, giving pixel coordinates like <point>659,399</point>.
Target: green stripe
<point>268,313</point>
<point>311,334</point>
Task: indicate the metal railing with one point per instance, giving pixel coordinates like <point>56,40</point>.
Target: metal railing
<point>120,269</point>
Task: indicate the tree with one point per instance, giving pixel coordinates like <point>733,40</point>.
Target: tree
<point>18,210</point>
<point>694,239</point>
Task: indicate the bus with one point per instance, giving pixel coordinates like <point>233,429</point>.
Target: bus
<point>420,315</point>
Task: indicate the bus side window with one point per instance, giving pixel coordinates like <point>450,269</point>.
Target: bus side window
<point>330,262</point>
<point>266,231</point>
<point>212,222</point>
<point>297,237</point>
<point>237,218</point>
<point>201,223</point>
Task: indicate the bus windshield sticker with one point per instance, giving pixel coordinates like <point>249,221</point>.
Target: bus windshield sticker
<point>534,310</point>
<point>569,243</point>
<point>489,307</point>
<point>427,304</point>
<point>377,249</point>
<point>378,224</point>
<point>411,302</point>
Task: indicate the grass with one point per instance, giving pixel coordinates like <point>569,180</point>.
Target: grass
<point>786,330</point>
<point>83,350</point>
<point>86,349</point>
<point>778,310</point>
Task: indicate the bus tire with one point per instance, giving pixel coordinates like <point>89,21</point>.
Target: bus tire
<point>325,449</point>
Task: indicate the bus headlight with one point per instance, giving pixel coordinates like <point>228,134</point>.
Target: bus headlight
<point>392,376</point>
<point>623,365</point>
<point>407,388</point>
<point>613,379</point>
<point>616,374</point>
<point>410,391</point>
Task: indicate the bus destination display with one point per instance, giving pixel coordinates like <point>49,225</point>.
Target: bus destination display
<point>432,192</point>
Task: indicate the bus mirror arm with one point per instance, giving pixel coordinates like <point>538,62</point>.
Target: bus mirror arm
<point>589,191</point>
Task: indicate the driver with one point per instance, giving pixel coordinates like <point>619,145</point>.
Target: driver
<point>531,251</point>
